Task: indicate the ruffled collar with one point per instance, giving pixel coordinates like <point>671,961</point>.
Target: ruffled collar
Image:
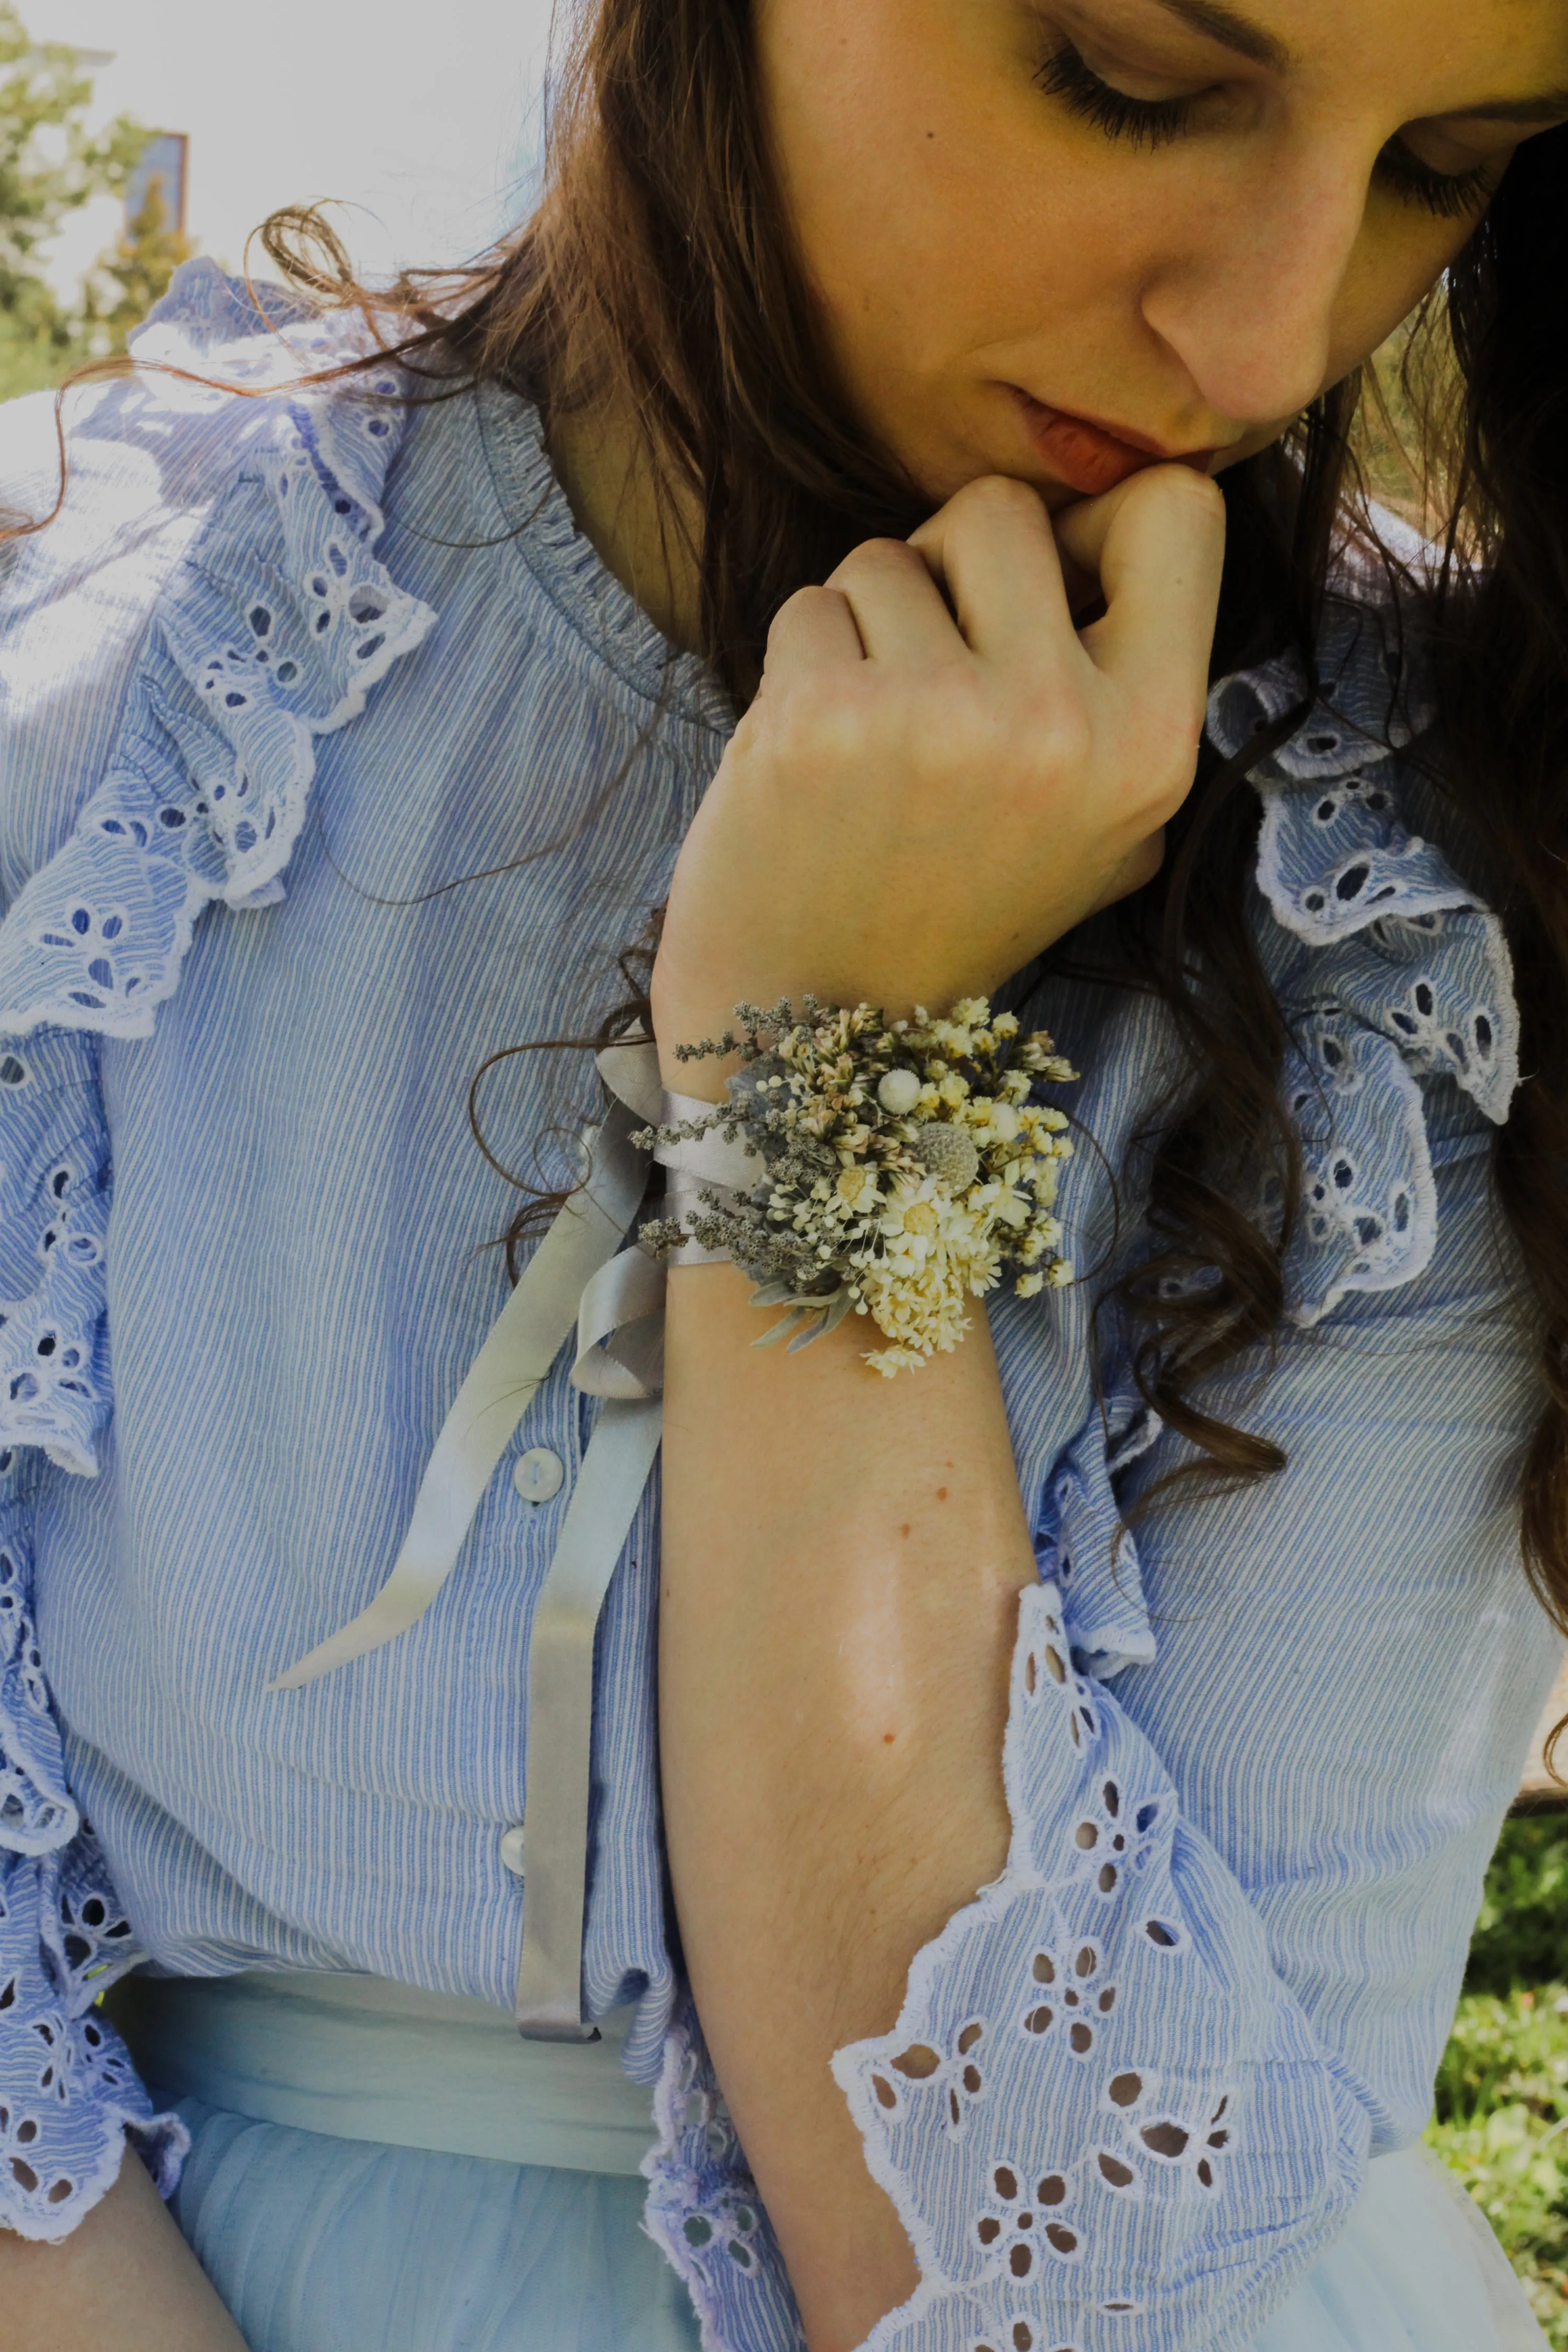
<point>569,570</point>
<point>1396,979</point>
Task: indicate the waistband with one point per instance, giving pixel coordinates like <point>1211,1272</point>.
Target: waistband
<point>359,2058</point>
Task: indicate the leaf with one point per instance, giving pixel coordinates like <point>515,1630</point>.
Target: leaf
<point>781,1329</point>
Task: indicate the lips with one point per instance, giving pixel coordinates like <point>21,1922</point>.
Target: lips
<point>1086,457</point>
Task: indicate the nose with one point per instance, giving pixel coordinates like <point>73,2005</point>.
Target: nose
<point>1248,301</point>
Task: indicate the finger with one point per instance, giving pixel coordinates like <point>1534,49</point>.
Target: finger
<point>896,604</point>
<point>993,548</point>
<point>814,630</point>
<point>1157,542</point>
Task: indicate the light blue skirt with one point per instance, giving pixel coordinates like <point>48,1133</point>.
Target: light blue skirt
<point>319,2243</point>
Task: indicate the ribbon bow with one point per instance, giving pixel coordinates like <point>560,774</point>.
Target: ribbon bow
<point>580,1277</point>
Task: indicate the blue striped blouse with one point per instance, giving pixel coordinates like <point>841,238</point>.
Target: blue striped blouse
<point>333,761</point>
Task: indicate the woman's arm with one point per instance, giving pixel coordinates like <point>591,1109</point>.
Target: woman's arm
<point>124,2277</point>
<point>843,1557</point>
<point>913,808</point>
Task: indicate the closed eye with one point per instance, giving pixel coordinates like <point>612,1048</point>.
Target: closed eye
<point>1142,121</point>
<point>1151,122</point>
<point>1449,194</point>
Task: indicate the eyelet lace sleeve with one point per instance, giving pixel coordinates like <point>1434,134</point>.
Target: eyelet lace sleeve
<point>1097,2081</point>
<point>1390,970</point>
<point>1106,2123</point>
<point>273,629</point>
<point>272,633</point>
<point>68,2094</point>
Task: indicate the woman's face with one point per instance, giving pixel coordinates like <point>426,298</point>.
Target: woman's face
<point>1048,234</point>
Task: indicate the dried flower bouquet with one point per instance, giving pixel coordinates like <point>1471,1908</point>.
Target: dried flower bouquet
<point>909,1166</point>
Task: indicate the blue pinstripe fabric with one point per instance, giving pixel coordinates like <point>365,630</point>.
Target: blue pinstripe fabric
<point>1338,1671</point>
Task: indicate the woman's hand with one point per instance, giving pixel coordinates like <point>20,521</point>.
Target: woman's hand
<point>925,793</point>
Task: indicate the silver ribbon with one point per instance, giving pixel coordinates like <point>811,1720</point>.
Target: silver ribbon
<point>560,1717</point>
<point>615,1298</point>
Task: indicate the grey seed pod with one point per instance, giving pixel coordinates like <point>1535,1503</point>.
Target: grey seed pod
<point>947,1152</point>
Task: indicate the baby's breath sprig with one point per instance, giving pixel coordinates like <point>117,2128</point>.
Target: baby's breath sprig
<point>910,1166</point>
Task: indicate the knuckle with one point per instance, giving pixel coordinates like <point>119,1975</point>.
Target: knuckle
<point>874,559</point>
<point>998,497</point>
<point>803,603</point>
<point>1169,766</point>
<point>818,728</point>
<point>1064,740</point>
<point>802,606</point>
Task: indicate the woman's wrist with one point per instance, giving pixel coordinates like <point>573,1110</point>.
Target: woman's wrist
<point>891,1171</point>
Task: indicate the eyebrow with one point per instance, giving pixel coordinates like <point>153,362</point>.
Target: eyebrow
<point>1218,23</point>
<point>1551,106</point>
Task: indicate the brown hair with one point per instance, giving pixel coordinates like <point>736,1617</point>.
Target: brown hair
<point>657,272</point>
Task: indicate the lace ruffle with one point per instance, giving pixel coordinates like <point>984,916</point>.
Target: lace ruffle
<point>1094,2063</point>
<point>1083,1546</point>
<point>1390,970</point>
<point>703,2211</point>
<point>272,632</point>
<point>68,2091</point>
<point>54,1191</point>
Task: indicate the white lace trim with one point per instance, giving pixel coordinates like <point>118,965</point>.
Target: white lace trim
<point>272,632</point>
<point>703,2211</point>
<point>1389,969</point>
<point>1088,2056</point>
<point>68,2091</point>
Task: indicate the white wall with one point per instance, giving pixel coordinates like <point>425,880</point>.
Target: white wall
<point>424,113</point>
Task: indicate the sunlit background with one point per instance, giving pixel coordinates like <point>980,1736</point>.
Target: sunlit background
<point>425,119</point>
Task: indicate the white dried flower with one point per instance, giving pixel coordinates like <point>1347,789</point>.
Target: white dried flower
<point>899,1092</point>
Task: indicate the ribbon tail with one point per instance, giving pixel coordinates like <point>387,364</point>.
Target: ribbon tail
<point>523,1342</point>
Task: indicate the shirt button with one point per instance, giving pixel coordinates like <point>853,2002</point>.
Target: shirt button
<point>538,1473</point>
<point>512,1851</point>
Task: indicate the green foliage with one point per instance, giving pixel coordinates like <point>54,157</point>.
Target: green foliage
<point>135,274</point>
<point>1521,1935</point>
<point>50,165</point>
<point>1500,2109</point>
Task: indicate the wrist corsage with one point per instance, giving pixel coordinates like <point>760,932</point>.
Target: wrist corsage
<point>906,1167</point>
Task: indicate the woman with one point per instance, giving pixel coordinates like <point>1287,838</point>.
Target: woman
<point>1070,1912</point>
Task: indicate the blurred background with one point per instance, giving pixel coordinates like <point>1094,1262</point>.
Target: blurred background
<point>135,132</point>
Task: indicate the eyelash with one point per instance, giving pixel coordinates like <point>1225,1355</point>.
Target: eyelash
<point>1151,122</point>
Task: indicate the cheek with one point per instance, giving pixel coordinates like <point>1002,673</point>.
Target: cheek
<point>931,211</point>
<point>1399,258</point>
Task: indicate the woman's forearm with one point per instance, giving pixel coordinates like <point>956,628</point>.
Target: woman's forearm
<point>124,2277</point>
<point>843,1556</point>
